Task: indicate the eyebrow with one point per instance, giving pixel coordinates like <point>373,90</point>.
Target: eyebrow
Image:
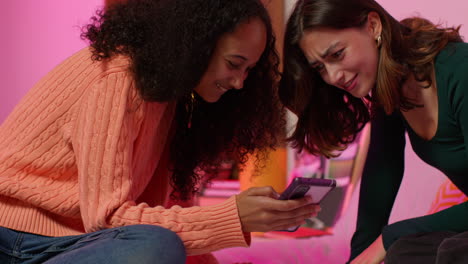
<point>327,52</point>
<point>239,57</point>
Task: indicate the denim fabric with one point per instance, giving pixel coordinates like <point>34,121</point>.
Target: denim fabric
<point>130,244</point>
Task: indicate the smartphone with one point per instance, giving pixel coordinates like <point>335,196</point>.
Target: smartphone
<point>314,187</point>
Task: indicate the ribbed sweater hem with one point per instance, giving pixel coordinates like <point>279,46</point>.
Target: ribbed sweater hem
<point>20,216</point>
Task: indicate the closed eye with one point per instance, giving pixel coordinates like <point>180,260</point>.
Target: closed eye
<point>318,66</point>
<point>337,54</point>
<point>236,66</point>
<point>233,65</point>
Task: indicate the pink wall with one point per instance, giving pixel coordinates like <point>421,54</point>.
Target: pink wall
<point>449,12</point>
<point>36,36</point>
<point>452,12</point>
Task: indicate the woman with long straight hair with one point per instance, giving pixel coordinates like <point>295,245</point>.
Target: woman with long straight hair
<point>350,62</point>
<point>99,156</point>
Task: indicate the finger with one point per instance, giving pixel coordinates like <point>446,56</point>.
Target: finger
<point>284,225</point>
<point>309,208</point>
<point>307,211</point>
<point>272,220</point>
<point>288,205</point>
<point>316,208</point>
<point>292,221</point>
<point>263,191</point>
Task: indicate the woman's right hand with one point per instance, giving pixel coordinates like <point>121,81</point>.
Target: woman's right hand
<point>260,211</point>
<point>374,254</point>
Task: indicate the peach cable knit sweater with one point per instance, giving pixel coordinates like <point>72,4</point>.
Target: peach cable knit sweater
<point>83,152</point>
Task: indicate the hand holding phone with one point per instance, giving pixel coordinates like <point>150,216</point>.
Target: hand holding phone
<point>313,187</point>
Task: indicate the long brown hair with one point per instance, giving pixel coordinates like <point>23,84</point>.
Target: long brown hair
<point>330,118</point>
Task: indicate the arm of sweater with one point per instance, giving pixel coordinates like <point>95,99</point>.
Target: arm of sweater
<point>381,179</point>
<point>103,140</point>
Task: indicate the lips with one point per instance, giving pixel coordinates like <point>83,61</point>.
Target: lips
<point>219,86</point>
<point>351,84</point>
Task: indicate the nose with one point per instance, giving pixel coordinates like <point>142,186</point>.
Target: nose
<point>335,75</point>
<point>237,81</point>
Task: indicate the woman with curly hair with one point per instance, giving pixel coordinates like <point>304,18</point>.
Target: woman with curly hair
<point>96,158</point>
<point>350,62</point>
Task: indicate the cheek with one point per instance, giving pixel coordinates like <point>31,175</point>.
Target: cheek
<point>368,64</point>
<point>373,65</point>
<point>217,72</point>
<point>326,78</point>
<point>209,78</point>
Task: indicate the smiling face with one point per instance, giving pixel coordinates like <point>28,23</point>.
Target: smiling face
<point>235,54</point>
<point>345,58</point>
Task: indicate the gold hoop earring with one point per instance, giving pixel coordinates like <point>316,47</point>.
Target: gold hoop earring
<point>379,41</point>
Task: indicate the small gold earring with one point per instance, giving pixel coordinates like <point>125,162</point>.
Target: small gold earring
<point>379,41</point>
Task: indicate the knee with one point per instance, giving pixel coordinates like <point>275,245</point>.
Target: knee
<point>447,244</point>
<point>456,244</point>
<point>395,252</point>
<point>155,242</point>
<point>416,248</point>
<point>404,250</point>
<point>159,234</point>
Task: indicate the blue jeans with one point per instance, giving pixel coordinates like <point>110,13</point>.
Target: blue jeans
<point>129,244</point>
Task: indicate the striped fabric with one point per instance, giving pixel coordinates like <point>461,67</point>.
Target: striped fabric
<point>448,195</point>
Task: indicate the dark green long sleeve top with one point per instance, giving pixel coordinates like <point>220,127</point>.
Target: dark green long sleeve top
<point>446,151</point>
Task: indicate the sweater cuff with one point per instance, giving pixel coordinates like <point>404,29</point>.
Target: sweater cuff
<point>246,237</point>
<point>226,229</point>
<point>237,226</point>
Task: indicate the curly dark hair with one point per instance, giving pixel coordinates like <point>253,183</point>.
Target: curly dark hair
<point>330,118</point>
<point>170,43</point>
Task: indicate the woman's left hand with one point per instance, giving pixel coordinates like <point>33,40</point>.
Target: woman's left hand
<point>374,254</point>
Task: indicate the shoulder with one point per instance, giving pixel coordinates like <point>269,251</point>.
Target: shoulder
<point>454,57</point>
<point>451,65</point>
<point>83,59</point>
<point>115,71</point>
<point>79,71</point>
<point>452,73</point>
<point>108,80</point>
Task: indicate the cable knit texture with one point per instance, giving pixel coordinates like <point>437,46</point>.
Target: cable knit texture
<point>83,152</point>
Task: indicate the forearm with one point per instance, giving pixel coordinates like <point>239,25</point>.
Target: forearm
<point>202,229</point>
<point>381,180</point>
